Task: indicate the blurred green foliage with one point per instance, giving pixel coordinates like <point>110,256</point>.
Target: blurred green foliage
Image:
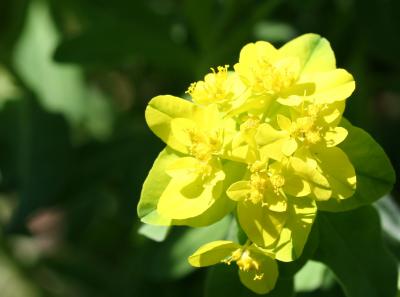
<point>75,77</point>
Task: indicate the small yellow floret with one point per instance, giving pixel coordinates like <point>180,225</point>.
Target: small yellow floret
<point>244,261</point>
<point>305,128</point>
<point>273,77</point>
<point>203,146</point>
<point>215,88</point>
<point>277,182</point>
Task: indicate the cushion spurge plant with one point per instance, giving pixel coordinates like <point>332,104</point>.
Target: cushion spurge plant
<point>264,142</point>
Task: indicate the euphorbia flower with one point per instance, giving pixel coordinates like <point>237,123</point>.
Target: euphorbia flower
<point>264,141</point>
<point>310,132</point>
<point>263,196</point>
<point>304,66</point>
<point>220,87</point>
<point>258,271</point>
<point>200,134</point>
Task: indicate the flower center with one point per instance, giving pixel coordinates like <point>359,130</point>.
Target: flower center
<point>245,262</point>
<point>277,182</point>
<point>203,147</point>
<point>260,180</point>
<point>214,89</point>
<point>306,128</point>
<point>274,77</point>
<point>258,184</point>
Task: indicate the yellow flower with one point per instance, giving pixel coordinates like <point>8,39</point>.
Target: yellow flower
<point>200,134</point>
<point>264,195</point>
<point>262,140</point>
<point>221,87</point>
<point>304,66</point>
<point>258,271</point>
<point>310,133</point>
<point>265,70</point>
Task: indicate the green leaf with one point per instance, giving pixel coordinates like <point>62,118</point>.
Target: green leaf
<point>375,174</point>
<point>169,260</point>
<point>313,276</point>
<point>223,280</point>
<point>60,88</point>
<point>389,213</point>
<point>351,246</point>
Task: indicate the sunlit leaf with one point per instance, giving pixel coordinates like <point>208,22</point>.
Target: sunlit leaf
<point>351,246</point>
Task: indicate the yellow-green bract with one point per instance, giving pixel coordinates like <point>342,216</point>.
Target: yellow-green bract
<point>262,141</point>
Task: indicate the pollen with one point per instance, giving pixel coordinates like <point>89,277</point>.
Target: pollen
<point>258,166</point>
<point>277,182</point>
<point>215,88</point>
<point>245,262</point>
<point>258,184</point>
<point>273,77</point>
<point>235,256</point>
<point>203,147</point>
<point>249,127</point>
<point>305,128</point>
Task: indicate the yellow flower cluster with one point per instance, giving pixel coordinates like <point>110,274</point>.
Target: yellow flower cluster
<point>262,141</point>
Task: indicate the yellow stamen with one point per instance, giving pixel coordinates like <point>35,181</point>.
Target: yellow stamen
<point>273,77</point>
<point>277,181</point>
<point>244,261</point>
<point>214,89</point>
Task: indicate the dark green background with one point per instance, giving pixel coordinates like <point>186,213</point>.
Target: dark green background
<point>71,175</point>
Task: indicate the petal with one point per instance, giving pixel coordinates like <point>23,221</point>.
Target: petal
<point>273,150</point>
<point>239,190</point>
<point>268,270</point>
<point>333,114</point>
<point>290,100</point>
<point>334,136</point>
<point>330,86</point>
<point>183,168</point>
<point>289,146</point>
<point>306,168</point>
<point>266,134</point>
<point>339,171</point>
<point>252,52</point>
<point>296,186</point>
<point>271,141</point>
<point>314,53</point>
<point>223,205</point>
<point>159,113</point>
<point>212,253</point>
<point>208,117</point>
<point>182,200</point>
<point>180,128</point>
<point>275,202</point>
<point>261,225</point>
<point>284,123</point>
<point>293,237</point>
